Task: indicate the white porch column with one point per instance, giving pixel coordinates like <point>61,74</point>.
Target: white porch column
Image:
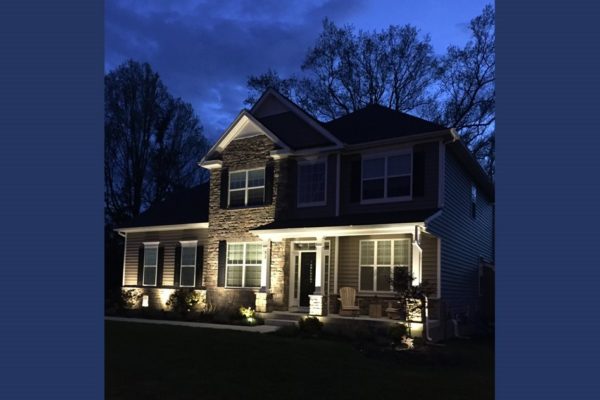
<point>261,303</point>
<point>316,299</point>
<point>319,270</point>
<point>417,263</point>
<point>265,271</point>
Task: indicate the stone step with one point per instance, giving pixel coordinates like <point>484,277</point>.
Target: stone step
<point>288,316</point>
<point>280,322</point>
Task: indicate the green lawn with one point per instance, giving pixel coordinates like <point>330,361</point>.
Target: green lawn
<point>146,361</point>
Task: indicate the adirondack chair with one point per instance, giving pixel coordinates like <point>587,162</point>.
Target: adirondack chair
<point>348,300</point>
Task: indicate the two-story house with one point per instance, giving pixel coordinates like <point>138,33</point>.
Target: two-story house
<point>296,209</point>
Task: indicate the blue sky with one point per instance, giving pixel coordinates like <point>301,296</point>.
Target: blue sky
<point>204,50</point>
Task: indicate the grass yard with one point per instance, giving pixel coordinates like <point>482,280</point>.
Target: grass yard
<point>145,361</point>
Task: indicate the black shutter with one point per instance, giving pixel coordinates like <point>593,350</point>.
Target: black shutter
<point>224,187</point>
<point>140,275</point>
<point>269,179</point>
<point>177,264</point>
<point>159,266</point>
<point>418,188</point>
<point>222,261</point>
<point>355,180</point>
<point>199,265</point>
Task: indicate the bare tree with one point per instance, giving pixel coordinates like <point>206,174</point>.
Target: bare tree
<point>152,141</point>
<point>467,89</point>
<point>345,71</point>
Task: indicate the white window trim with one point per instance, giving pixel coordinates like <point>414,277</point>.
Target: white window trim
<point>246,187</point>
<point>375,265</point>
<point>150,245</point>
<point>243,264</point>
<point>314,203</point>
<point>188,243</point>
<point>385,156</point>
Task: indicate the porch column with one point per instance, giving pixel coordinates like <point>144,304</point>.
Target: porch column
<point>261,302</point>
<point>265,272</point>
<point>417,263</point>
<point>319,267</point>
<point>316,299</point>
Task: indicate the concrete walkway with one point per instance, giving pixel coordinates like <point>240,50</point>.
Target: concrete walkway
<point>256,329</point>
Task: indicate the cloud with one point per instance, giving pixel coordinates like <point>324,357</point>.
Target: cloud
<point>205,50</point>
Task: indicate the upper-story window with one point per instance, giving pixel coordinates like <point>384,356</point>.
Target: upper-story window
<point>247,188</point>
<point>311,183</point>
<point>387,177</point>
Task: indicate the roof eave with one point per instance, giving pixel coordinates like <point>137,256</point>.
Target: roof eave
<point>157,228</point>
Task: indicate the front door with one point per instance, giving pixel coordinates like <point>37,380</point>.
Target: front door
<point>308,264</point>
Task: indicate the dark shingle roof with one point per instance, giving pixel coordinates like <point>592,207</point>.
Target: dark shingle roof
<point>294,131</point>
<point>184,206</point>
<point>375,122</point>
<point>356,219</point>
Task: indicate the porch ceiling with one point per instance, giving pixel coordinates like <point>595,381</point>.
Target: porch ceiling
<point>346,225</point>
<point>332,231</point>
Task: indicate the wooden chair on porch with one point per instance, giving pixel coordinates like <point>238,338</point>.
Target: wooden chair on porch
<point>348,300</point>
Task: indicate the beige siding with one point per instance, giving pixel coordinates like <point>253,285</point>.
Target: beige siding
<point>168,240</point>
<point>429,244</point>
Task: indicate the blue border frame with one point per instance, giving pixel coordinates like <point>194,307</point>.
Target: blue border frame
<point>51,115</point>
<point>51,200</point>
<point>548,268</point>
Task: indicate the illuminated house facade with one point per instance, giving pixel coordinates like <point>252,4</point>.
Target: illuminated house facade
<point>295,209</point>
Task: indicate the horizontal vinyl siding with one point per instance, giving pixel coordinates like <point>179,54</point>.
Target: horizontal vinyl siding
<point>464,239</point>
<point>430,262</point>
<point>168,240</point>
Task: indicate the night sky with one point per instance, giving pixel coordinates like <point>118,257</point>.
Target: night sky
<point>205,50</point>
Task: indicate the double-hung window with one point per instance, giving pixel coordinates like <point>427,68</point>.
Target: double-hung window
<point>244,264</point>
<point>187,277</point>
<point>387,177</point>
<point>247,188</point>
<point>311,183</point>
<point>378,259</point>
<point>150,264</point>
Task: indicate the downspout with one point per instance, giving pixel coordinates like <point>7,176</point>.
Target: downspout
<point>427,337</point>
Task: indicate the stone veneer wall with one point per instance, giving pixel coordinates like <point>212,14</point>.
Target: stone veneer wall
<point>234,224</point>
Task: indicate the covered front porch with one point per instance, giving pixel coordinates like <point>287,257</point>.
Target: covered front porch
<point>319,261</point>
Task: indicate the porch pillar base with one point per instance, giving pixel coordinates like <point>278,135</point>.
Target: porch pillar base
<point>316,305</point>
<point>262,303</point>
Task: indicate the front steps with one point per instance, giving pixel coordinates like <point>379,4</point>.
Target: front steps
<point>278,318</point>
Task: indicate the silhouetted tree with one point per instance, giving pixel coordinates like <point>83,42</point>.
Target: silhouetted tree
<point>152,141</point>
<point>397,68</point>
<point>467,88</point>
<point>346,71</point>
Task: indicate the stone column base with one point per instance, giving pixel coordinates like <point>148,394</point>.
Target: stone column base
<point>316,305</point>
<point>262,303</point>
